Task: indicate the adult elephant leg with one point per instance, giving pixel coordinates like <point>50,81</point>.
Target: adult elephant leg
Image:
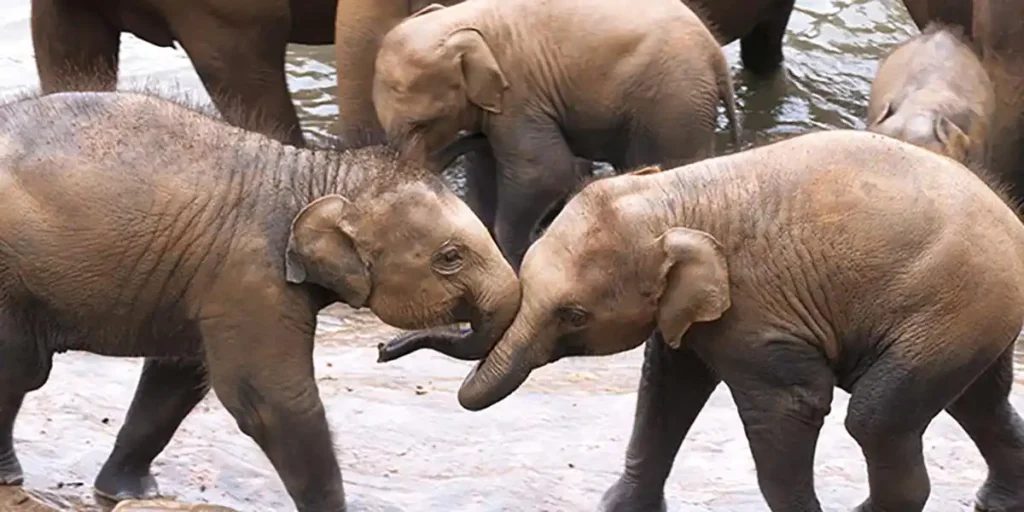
<point>985,413</point>
<point>76,49</point>
<point>481,185</point>
<point>536,169</point>
<point>783,393</point>
<point>761,49</point>
<point>242,68</point>
<point>261,367</point>
<point>168,390</point>
<point>674,386</point>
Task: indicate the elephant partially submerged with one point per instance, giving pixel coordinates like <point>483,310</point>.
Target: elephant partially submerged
<point>138,227</point>
<point>840,258</point>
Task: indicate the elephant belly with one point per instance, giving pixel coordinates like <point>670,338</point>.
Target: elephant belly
<point>145,22</point>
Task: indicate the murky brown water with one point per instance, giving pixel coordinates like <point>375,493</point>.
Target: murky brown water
<point>403,442</point>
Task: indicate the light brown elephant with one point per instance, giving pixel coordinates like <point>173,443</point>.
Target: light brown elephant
<point>361,24</point>
<point>997,30</point>
<point>932,91</point>
<point>137,227</point>
<point>838,258</point>
<point>359,27</point>
<point>610,90</point>
<point>236,46</point>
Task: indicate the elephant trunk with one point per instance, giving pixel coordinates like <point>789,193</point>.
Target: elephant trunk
<point>506,367</point>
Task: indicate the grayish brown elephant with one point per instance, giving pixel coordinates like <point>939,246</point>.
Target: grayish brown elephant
<point>839,258</point>
<point>951,12</point>
<point>236,46</point>
<point>610,90</point>
<point>138,227</point>
<point>932,91</point>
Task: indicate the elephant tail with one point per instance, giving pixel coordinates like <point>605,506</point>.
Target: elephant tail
<point>727,94</point>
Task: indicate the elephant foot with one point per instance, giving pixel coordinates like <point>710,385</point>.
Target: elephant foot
<point>1000,496</point>
<point>118,485</point>
<point>625,496</point>
<point>10,470</point>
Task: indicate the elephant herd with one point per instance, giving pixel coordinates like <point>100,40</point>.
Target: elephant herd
<point>888,262</point>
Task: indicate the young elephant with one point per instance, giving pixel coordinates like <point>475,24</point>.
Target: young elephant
<point>633,83</point>
<point>139,227</point>
<point>840,258</point>
<point>932,91</point>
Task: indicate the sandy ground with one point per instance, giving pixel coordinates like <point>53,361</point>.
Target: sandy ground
<point>406,445</point>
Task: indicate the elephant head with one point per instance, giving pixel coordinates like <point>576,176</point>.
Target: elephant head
<point>925,128</point>
<point>609,271</point>
<point>415,254</point>
<point>436,77</point>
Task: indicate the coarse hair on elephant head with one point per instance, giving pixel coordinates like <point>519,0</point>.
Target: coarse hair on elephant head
<point>406,247</point>
<point>932,91</point>
<point>669,280</point>
<point>448,81</point>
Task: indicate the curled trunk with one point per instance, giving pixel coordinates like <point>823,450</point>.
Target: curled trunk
<point>494,308</point>
<point>507,366</point>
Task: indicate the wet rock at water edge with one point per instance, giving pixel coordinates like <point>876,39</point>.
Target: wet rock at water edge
<point>167,506</point>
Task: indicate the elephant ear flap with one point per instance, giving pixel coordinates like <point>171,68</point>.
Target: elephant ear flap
<point>955,143</point>
<point>696,282</point>
<point>485,83</point>
<point>883,114</point>
<point>321,250</point>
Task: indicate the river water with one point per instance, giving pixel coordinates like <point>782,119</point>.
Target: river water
<point>403,442</point>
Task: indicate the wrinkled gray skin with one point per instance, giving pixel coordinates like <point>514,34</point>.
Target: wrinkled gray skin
<point>839,258</point>
<point>932,91</point>
<point>137,227</point>
<point>551,100</point>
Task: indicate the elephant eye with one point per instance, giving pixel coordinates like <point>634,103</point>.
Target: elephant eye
<point>573,316</point>
<point>448,261</point>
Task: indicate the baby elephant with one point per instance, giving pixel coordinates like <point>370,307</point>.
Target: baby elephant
<point>933,91</point>
<point>551,83</point>
<point>840,258</point>
<point>137,227</point>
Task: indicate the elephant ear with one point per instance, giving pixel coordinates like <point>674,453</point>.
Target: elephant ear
<point>883,114</point>
<point>696,282</point>
<point>485,83</point>
<point>427,10</point>
<point>321,250</point>
<point>955,143</point>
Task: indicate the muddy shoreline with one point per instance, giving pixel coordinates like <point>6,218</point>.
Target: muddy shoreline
<point>405,445</point>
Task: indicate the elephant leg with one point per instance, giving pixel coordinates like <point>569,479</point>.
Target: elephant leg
<point>23,368</point>
<point>783,395</point>
<point>674,386</point>
<point>893,402</point>
<point>76,49</point>
<point>761,49</point>
<point>985,413</point>
<point>261,368</point>
<point>168,390</point>
<point>242,68</point>
<point>481,185</point>
<point>536,170</point>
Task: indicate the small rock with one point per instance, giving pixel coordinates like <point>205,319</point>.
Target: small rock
<point>167,506</point>
<point>420,390</point>
<point>105,421</point>
<point>571,465</point>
